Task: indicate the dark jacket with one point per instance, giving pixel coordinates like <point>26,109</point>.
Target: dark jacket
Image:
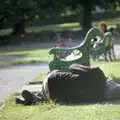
<point>80,84</point>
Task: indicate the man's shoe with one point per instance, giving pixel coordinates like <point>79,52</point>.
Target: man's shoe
<point>29,97</point>
<point>20,101</point>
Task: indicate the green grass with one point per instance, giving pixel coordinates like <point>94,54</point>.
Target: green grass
<point>24,54</point>
<point>5,31</point>
<point>40,77</point>
<point>7,63</point>
<point>33,50</point>
<point>50,111</point>
<point>111,69</point>
<point>57,27</point>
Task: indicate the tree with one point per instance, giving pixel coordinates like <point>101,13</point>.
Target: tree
<point>16,12</point>
<point>86,6</point>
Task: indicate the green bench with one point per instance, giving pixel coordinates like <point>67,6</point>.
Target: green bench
<point>79,54</point>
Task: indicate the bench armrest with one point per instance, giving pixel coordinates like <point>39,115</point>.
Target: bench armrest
<point>57,50</point>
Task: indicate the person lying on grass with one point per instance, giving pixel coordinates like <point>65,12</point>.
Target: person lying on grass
<point>81,84</point>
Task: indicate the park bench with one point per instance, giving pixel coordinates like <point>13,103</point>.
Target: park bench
<point>80,54</point>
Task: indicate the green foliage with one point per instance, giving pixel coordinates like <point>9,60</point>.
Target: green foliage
<point>13,11</point>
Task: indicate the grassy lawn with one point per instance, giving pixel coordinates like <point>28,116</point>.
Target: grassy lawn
<point>110,69</point>
<point>50,111</point>
<point>24,54</point>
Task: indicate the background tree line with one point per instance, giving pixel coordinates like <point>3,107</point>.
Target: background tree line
<point>17,12</point>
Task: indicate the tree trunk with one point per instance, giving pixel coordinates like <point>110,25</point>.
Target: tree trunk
<point>19,28</point>
<point>87,18</point>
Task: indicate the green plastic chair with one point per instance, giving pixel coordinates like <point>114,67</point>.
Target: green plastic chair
<point>79,54</point>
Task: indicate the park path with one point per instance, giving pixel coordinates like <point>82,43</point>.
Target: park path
<point>13,78</point>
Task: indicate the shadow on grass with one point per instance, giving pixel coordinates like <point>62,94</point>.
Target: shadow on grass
<point>10,101</point>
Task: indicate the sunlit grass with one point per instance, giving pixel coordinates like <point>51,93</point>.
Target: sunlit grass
<point>40,77</point>
<point>57,27</point>
<point>111,69</point>
<point>23,49</point>
<point>6,63</point>
<point>5,31</point>
<point>24,54</point>
<point>51,111</point>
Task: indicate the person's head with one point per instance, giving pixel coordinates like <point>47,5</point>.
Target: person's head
<point>103,26</point>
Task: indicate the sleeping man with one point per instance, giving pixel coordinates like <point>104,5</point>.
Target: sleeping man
<point>81,84</point>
